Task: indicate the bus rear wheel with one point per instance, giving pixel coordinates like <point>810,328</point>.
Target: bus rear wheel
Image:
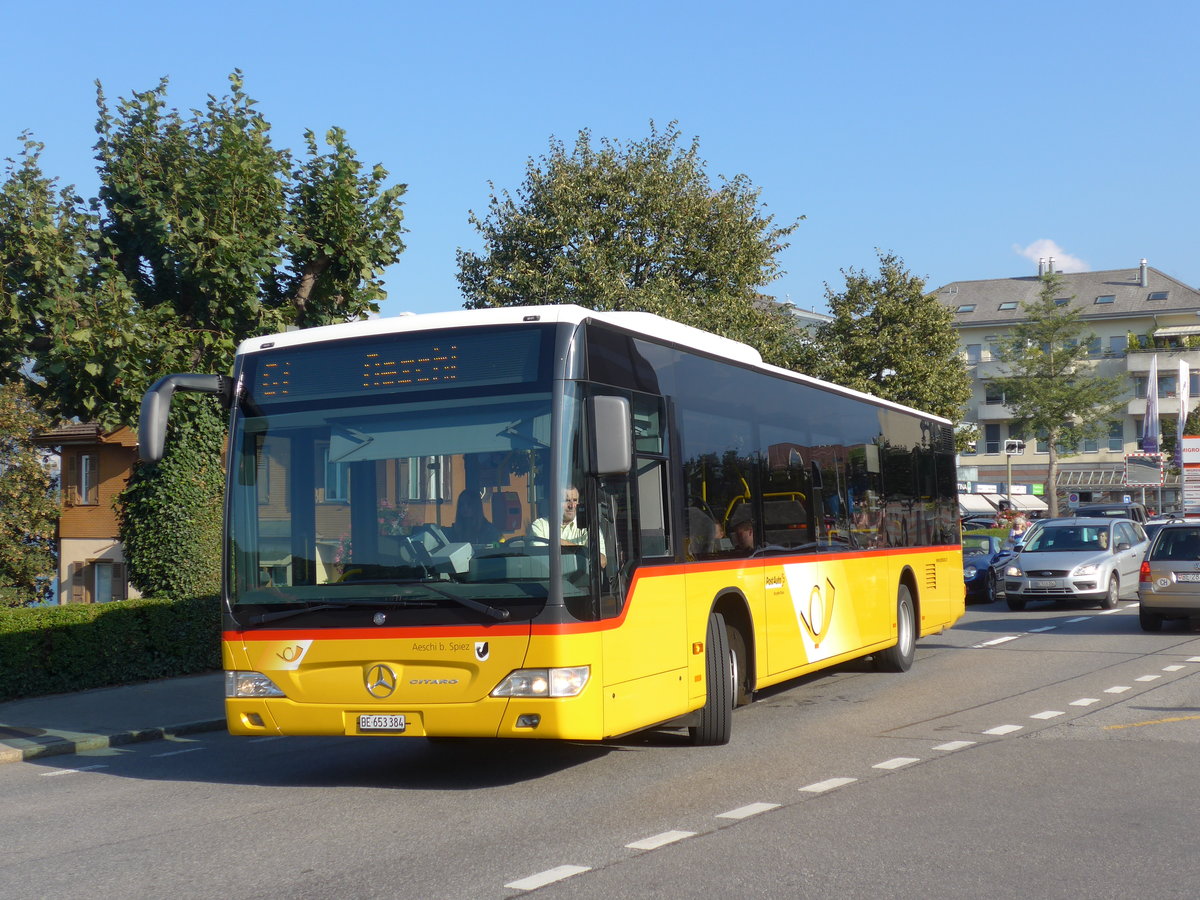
<point>899,658</point>
<point>716,716</point>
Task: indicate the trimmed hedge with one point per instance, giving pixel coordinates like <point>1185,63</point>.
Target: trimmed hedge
<point>54,649</point>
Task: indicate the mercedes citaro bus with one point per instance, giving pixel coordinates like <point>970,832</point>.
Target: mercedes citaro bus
<point>549,522</point>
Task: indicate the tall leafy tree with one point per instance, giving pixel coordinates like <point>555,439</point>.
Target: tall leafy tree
<point>891,338</point>
<point>1049,385</point>
<point>203,233</point>
<point>634,226</point>
<point>28,505</point>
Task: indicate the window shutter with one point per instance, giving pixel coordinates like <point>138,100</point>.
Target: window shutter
<point>92,461</point>
<point>70,476</point>
<point>77,583</point>
<point>120,589</point>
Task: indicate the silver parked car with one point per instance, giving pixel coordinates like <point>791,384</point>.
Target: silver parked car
<point>1093,560</point>
<point>1169,587</point>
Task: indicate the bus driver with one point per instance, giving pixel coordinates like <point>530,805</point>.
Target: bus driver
<point>569,534</point>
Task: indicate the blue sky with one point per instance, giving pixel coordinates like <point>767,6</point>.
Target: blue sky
<point>957,135</point>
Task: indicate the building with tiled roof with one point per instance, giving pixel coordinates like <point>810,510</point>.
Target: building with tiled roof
<point>1133,315</point>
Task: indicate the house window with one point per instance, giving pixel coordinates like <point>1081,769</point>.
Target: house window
<point>1009,304</point>
<point>81,478</point>
<point>337,479</point>
<point>1095,348</point>
<point>1061,301</point>
<point>974,354</point>
<point>991,442</point>
<point>1116,436</point>
<point>1118,344</point>
<point>98,581</point>
<point>993,394</point>
<point>1091,445</point>
<point>966,308</point>
<point>1158,295</point>
<point>1106,298</point>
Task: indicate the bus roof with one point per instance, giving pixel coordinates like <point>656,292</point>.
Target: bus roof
<point>646,324</point>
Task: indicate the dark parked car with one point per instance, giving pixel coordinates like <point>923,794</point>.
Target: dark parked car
<point>1134,511</point>
<point>1169,584</point>
<point>980,553</point>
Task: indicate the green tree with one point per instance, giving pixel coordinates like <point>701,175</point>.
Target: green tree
<point>1050,387</point>
<point>203,234</point>
<point>634,226</point>
<point>28,505</point>
<point>891,338</point>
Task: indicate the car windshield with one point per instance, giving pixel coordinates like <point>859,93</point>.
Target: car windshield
<point>976,546</point>
<point>1177,543</point>
<point>1059,538</point>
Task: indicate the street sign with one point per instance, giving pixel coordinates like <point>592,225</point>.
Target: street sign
<point>1143,470</point>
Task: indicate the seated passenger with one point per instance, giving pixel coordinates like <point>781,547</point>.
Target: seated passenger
<point>470,523</point>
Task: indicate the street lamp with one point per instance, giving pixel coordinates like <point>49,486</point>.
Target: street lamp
<point>1012,448</point>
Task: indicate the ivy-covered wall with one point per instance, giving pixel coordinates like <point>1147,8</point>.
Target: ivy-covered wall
<point>54,649</point>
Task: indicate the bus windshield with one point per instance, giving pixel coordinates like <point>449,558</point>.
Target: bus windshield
<point>405,501</point>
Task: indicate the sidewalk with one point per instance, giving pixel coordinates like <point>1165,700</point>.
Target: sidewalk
<point>109,717</point>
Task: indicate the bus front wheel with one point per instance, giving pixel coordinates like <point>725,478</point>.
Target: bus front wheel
<point>899,658</point>
<point>716,716</point>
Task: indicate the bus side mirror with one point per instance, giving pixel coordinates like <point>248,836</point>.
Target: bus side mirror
<point>156,407</point>
<point>611,435</point>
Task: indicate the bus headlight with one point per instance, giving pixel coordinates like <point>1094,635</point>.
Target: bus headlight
<point>250,684</point>
<point>565,682</point>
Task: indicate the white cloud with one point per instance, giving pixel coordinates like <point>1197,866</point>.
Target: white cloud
<point>1044,248</point>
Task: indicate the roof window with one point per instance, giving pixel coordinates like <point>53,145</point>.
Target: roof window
<point>1008,304</point>
<point>966,308</point>
<point>1061,301</point>
<point>1107,298</point>
<point>1158,295</point>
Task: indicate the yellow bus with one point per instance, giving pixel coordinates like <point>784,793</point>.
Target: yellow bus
<point>395,487</point>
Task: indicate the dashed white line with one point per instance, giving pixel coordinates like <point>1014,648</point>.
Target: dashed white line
<point>1193,659</point>
<point>1000,640</point>
<point>1117,689</point>
<point>73,771</point>
<point>1173,668</point>
<point>827,785</point>
<point>660,840</point>
<point>898,762</point>
<point>750,809</point>
<point>951,746</point>
<point>558,873</point>
<point>175,752</point>
<point>1084,701</point>
<point>1043,628</point>
<point>1109,612</point>
<point>1148,678</point>
<point>1077,619</point>
<point>1004,729</point>
<point>1048,714</point>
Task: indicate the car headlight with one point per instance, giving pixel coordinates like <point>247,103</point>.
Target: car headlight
<point>1013,571</point>
<point>1089,569</point>
<point>564,682</point>
<point>250,684</point>
<point>969,572</point>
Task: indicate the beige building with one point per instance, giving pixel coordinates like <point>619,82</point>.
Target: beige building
<point>1133,315</point>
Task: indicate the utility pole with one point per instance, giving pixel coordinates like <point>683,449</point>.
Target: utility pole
<point>1011,448</point>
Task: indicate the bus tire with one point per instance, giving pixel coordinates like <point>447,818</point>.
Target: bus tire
<point>716,716</point>
<point>739,661</point>
<point>899,658</point>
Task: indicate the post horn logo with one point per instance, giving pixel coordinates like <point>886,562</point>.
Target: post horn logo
<point>380,682</point>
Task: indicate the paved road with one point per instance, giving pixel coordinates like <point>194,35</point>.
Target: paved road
<point>1048,753</point>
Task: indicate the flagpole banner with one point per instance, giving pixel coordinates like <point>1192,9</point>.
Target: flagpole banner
<point>1150,423</point>
<point>1185,390</point>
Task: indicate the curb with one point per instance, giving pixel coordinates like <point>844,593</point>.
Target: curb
<point>59,746</point>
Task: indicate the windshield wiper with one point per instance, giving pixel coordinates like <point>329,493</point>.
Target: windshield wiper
<point>478,606</point>
<point>263,618</point>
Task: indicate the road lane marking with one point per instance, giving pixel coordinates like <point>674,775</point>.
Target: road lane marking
<point>175,752</point>
<point>828,785</point>
<point>1000,640</point>
<point>1004,729</point>
<point>1148,678</point>
<point>1084,701</point>
<point>1109,612</point>
<point>558,873</point>
<point>1153,722</point>
<point>1043,628</point>
<point>750,809</point>
<point>954,745</point>
<point>1118,689</point>
<point>897,762</point>
<point>1193,659</point>
<point>72,771</point>
<point>1077,619</point>
<point>1173,668</point>
<point>1048,714</point>
<point>660,840</point>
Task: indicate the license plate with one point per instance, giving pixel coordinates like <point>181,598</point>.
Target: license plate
<point>382,723</point>
<point>1187,576</point>
<point>1047,584</point>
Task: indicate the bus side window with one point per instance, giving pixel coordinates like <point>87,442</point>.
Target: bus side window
<point>652,516</point>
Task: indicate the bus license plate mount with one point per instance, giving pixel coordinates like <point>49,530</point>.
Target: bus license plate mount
<point>395,723</point>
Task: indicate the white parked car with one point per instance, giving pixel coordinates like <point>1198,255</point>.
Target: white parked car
<point>1090,561</point>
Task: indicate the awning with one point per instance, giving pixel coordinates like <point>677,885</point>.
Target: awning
<point>1025,501</point>
<point>1177,330</point>
<point>975,503</point>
